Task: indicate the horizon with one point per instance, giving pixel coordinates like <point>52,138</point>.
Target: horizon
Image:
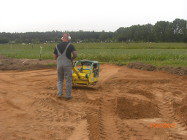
<point>107,15</point>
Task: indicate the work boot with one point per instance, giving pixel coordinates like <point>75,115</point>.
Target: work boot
<point>59,94</point>
<point>68,98</point>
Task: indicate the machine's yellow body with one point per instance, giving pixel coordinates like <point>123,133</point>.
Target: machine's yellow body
<point>85,74</point>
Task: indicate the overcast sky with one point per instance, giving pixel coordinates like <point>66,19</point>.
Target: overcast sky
<point>87,15</point>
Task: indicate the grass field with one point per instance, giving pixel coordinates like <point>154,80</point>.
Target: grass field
<point>159,54</point>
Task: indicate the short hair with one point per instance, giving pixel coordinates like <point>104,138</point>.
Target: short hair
<point>65,34</point>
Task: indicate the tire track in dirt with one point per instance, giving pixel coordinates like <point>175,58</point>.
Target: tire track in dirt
<point>95,125</point>
<point>165,103</point>
<point>93,115</point>
<point>109,119</point>
<point>101,123</point>
<point>126,131</point>
<point>88,102</point>
<point>49,109</point>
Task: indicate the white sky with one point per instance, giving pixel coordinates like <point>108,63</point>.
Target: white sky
<point>87,15</point>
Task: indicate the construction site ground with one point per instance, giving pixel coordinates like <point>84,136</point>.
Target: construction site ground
<point>126,104</point>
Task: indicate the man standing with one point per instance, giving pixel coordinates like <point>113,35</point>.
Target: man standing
<point>65,53</point>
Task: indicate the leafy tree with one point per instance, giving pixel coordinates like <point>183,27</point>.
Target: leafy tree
<point>162,31</point>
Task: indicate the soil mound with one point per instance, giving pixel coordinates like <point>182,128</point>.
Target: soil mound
<point>148,67</point>
<point>141,66</point>
<point>24,64</point>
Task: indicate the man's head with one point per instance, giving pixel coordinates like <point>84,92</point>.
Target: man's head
<point>66,37</point>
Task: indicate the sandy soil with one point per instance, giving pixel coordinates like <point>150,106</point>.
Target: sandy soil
<point>25,64</point>
<point>35,64</point>
<point>149,67</point>
<point>125,104</point>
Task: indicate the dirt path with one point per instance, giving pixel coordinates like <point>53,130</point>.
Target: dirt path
<point>125,104</point>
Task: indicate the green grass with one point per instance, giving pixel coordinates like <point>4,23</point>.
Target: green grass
<point>159,54</point>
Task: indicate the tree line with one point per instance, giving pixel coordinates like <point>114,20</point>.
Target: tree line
<point>162,31</point>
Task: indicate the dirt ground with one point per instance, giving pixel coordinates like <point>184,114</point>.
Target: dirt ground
<point>24,64</point>
<point>35,64</point>
<point>127,104</point>
<point>149,67</point>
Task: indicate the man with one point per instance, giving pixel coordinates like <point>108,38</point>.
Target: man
<point>65,53</point>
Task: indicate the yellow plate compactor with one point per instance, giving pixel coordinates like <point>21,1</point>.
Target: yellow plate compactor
<point>85,72</point>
